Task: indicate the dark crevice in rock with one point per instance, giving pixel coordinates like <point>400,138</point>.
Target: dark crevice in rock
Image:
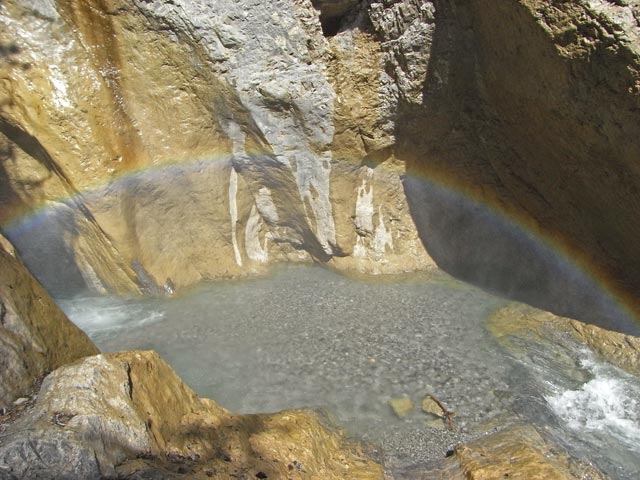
<point>10,201</point>
<point>129,382</point>
<point>43,248</point>
<point>336,16</point>
<point>32,147</point>
<point>331,26</point>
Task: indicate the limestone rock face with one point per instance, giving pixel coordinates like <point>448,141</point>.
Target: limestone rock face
<point>374,229</point>
<point>530,109</point>
<point>175,142</point>
<point>35,336</point>
<point>128,415</point>
<point>406,30</point>
<point>197,139</point>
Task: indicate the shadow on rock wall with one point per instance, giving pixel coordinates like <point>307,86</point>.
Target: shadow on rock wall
<point>45,248</point>
<point>455,138</point>
<point>477,245</point>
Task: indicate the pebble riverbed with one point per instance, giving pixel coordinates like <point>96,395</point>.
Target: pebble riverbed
<point>305,336</point>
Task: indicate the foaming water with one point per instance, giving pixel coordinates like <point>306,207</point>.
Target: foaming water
<point>100,315</point>
<point>589,406</point>
<point>305,336</point>
<point>606,406</point>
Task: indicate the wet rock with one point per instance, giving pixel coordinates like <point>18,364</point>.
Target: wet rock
<point>430,406</point>
<point>35,336</point>
<point>519,452</point>
<point>619,349</point>
<point>129,415</point>
<point>518,321</point>
<point>401,406</point>
<point>515,451</point>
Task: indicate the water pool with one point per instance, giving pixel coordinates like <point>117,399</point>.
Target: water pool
<point>305,336</point>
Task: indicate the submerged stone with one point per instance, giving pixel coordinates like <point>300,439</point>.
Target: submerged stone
<point>401,406</point>
<point>430,406</point>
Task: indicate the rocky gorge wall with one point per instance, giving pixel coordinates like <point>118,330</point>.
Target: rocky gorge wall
<point>163,144</point>
<point>197,140</point>
<point>530,108</point>
<point>172,142</point>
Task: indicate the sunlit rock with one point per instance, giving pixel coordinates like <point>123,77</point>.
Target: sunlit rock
<point>519,452</point>
<point>513,451</point>
<point>430,406</point>
<point>196,141</point>
<point>35,336</point>
<point>129,415</point>
<point>519,321</point>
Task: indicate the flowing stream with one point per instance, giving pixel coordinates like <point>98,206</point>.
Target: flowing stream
<point>305,336</point>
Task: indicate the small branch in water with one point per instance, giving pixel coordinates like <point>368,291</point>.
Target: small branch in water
<point>445,412</point>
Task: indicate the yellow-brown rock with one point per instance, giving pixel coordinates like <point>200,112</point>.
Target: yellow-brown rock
<point>401,406</point>
<point>430,406</point>
<point>35,335</point>
<point>521,453</point>
<point>128,414</point>
<point>139,101</point>
<point>186,156</point>
<point>374,229</point>
<point>521,321</point>
<point>621,350</point>
<point>516,451</point>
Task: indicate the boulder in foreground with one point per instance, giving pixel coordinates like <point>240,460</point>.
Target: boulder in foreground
<point>128,415</point>
<point>35,335</point>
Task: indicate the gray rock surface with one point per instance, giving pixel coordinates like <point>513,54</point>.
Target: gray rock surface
<point>267,51</point>
<point>406,30</point>
<point>233,144</point>
<point>80,427</point>
<point>35,335</point>
<point>128,415</point>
